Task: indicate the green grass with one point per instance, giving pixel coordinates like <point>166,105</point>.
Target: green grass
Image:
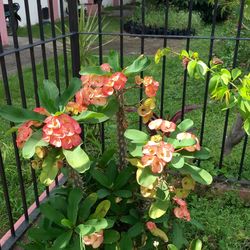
<point>209,209</point>
<point>224,221</point>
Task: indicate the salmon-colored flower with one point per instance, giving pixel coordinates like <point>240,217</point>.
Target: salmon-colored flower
<point>119,80</point>
<point>186,135</point>
<point>94,240</point>
<point>181,212</point>
<point>155,124</point>
<point>74,108</point>
<point>151,86</point>
<point>168,126</point>
<point>151,225</point>
<point>41,111</point>
<point>62,131</point>
<point>157,155</point>
<point>106,67</point>
<point>165,151</point>
<point>24,132</point>
<point>138,80</point>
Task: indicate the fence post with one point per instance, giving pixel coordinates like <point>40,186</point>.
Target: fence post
<point>74,38</point>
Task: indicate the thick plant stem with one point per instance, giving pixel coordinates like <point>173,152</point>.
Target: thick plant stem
<point>74,179</point>
<point>121,127</point>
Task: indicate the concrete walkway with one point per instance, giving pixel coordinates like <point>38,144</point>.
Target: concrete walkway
<point>132,46</point>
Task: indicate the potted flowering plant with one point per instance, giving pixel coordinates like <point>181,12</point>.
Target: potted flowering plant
<point>130,203</point>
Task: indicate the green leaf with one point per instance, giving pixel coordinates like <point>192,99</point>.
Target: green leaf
<point>98,224</point>
<point>51,213</point>
<point>113,60</point>
<point>236,73</point>
<point>67,223</point>
<point>111,236</point>
<point>247,126</point>
<point>19,115</point>
<point>203,68</point>
<point>136,136</point>
<point>136,230</point>
<point>90,117</point>
<point>178,236</point>
<point>225,76</point>
<point>177,161</point>
<point>202,154</point>
<point>74,199</point>
<point>69,93</point>
<point>191,68</point>
<point>48,94</point>
<point>49,168</point>
<point>126,242</point>
<point>102,193</point>
<point>195,245</point>
<point>145,177</point>
<point>92,70</point>
<point>198,174</point>
<point>83,229</point>
<point>34,141</point>
<point>172,247</point>
<point>77,159</point>
<point>139,64</point>
<point>110,108</point>
<point>107,157</point>
<point>135,150</point>
<point>62,241</point>
<point>40,234</point>
<point>129,219</point>
<point>158,208</point>
<point>101,210</point>
<point>100,177</point>
<point>86,205</point>
<point>123,177</point>
<point>185,125</point>
<point>123,193</point>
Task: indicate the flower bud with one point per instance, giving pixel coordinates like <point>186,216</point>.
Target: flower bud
<point>41,152</point>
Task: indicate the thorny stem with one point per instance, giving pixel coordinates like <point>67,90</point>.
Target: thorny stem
<point>121,127</point>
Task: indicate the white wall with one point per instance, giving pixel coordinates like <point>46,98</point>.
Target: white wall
<point>32,9</point>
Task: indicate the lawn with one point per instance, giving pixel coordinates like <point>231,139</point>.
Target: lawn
<point>205,207</point>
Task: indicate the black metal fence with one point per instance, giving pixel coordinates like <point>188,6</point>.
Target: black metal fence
<point>18,228</point>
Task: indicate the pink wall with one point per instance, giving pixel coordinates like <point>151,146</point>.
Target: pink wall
<point>55,9</point>
<point>3,28</point>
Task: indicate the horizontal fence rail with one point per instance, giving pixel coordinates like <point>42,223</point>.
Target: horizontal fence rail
<point>69,51</point>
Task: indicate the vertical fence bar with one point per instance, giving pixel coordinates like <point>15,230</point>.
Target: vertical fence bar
<point>243,157</point>
<point>166,6</point>
<point>44,56</point>
<point>53,33</point>
<point>65,58</point>
<point>190,8</point>
<point>208,73</point>
<point>121,36</point>
<point>99,14</point>
<point>142,51</point>
<point>17,55</point>
<point>236,50</point>
<point>6,195</point>
<point>74,38</point>
<point>33,66</point>
<point>17,158</point>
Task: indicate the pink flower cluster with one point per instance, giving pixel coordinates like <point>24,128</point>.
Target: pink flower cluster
<point>94,240</point>
<point>96,89</point>
<point>163,125</point>
<point>151,86</point>
<point>157,155</point>
<point>62,131</point>
<point>24,132</point>
<point>181,212</point>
